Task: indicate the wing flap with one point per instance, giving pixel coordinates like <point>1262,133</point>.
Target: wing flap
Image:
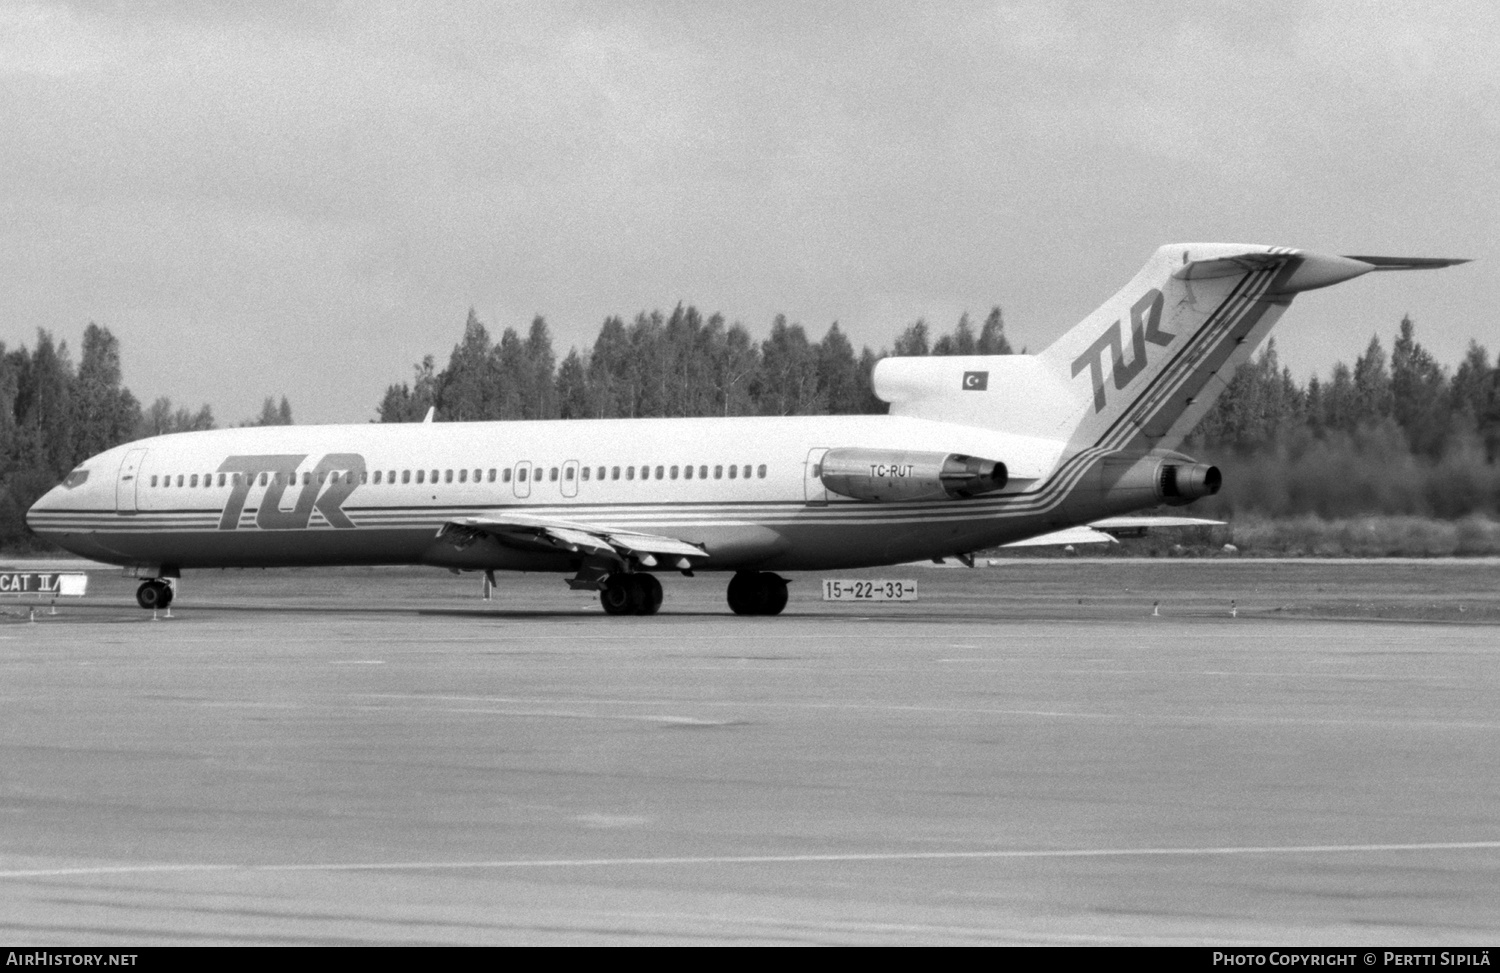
<point>537,533</point>
<point>655,544</point>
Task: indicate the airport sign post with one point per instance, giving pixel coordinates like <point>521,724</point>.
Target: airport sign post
<point>838,590</point>
<point>43,585</point>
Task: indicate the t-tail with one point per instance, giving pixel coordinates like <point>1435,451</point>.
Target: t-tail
<point>1139,373</point>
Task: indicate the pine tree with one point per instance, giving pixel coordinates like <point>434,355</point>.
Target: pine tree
<point>1372,385</point>
<point>960,342</point>
<point>539,395</point>
<point>1340,404</point>
<point>913,341</point>
<point>273,415</point>
<point>572,387</point>
<point>162,419</point>
<point>1419,393</point>
<point>107,414</point>
<point>1476,397</point>
<point>992,335</point>
<point>466,387</point>
<point>736,365</point>
<point>45,414</point>
<point>268,415</point>
<point>512,374</point>
<point>403,403</point>
<point>789,373</point>
<point>838,374</point>
<point>609,372</point>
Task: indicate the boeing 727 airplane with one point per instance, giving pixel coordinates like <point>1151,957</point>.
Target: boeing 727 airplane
<point>977,451</point>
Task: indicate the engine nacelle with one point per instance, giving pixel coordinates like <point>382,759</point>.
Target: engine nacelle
<point>1183,482</point>
<point>886,475</point>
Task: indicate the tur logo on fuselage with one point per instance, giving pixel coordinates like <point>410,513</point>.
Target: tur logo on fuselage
<point>324,488</point>
<point>1145,325</point>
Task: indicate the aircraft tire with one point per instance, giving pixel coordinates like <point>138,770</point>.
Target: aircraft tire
<point>616,595</point>
<point>153,594</point>
<point>650,594</point>
<point>741,594</point>
<point>775,594</point>
<point>757,593</point>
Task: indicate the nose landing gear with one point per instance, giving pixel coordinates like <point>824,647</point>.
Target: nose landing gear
<point>153,594</point>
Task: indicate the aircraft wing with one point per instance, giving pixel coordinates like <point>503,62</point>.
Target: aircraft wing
<point>539,533</point>
<point>1108,530</point>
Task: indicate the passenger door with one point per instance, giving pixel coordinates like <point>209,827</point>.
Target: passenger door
<point>126,501</point>
<point>812,478</point>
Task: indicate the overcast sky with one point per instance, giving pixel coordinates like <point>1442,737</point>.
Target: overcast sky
<point>268,198</point>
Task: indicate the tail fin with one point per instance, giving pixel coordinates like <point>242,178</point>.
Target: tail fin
<point>1139,372</point>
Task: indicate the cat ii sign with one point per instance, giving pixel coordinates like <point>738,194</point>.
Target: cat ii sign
<point>46,585</point>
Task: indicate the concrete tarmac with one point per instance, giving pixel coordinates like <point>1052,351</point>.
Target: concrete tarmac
<point>1025,755</point>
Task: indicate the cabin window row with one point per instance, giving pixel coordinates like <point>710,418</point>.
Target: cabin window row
<point>521,474</point>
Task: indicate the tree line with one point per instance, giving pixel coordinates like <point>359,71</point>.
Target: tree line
<point>54,415</point>
<point>679,364</point>
<point>1395,433</point>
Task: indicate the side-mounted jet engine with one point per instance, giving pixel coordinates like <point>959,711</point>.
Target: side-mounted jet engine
<point>887,475</point>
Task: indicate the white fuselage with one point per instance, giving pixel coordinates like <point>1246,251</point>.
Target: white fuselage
<point>1084,430</point>
<point>745,489</point>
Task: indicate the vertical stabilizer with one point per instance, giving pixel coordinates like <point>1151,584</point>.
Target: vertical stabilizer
<point>1145,367</point>
<point>1141,371</point>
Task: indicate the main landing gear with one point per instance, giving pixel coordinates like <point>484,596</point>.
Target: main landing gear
<point>153,594</point>
<point>630,594</point>
<point>757,593</point>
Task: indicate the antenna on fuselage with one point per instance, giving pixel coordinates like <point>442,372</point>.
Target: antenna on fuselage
<point>431,411</point>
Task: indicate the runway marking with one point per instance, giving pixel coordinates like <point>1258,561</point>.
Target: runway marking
<point>785,859</point>
<point>1168,718</point>
<point>574,715</point>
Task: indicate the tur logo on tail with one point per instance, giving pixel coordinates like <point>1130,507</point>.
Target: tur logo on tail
<point>1145,325</point>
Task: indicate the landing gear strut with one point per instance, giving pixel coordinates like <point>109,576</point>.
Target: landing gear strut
<point>630,594</point>
<point>153,594</point>
<point>757,593</point>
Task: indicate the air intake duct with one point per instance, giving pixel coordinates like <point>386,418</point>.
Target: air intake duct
<point>886,475</point>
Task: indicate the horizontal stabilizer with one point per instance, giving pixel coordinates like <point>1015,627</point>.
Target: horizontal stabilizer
<point>1141,523</point>
<point>1408,263</point>
<point>1070,535</point>
<point>1110,529</point>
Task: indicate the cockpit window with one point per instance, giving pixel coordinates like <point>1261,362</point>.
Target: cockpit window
<point>75,478</point>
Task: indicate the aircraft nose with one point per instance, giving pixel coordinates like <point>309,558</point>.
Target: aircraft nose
<point>36,515</point>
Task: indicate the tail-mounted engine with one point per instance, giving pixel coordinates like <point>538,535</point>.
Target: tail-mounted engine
<point>885,475</point>
<point>1130,481</point>
<point>1183,482</point>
